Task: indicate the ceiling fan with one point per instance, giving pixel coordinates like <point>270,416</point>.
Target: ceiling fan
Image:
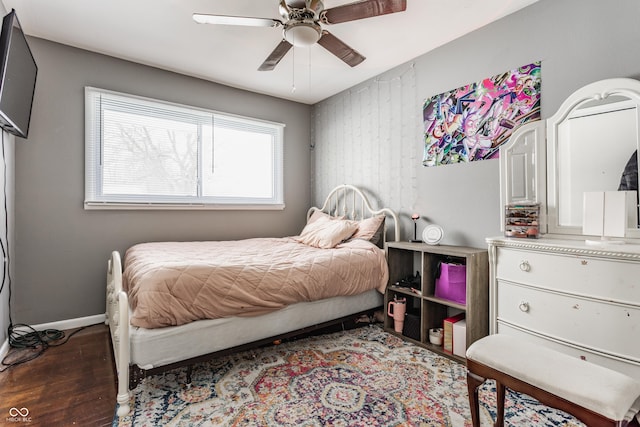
<point>302,25</point>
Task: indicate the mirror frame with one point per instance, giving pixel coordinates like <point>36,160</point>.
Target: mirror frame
<point>542,155</point>
<point>597,91</point>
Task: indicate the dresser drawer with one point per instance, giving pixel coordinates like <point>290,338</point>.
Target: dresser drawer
<point>626,367</point>
<point>606,327</point>
<point>599,278</point>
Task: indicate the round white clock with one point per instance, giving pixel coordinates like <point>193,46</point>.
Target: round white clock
<point>432,234</point>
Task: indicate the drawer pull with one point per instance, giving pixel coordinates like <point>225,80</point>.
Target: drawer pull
<point>525,266</point>
<point>524,306</point>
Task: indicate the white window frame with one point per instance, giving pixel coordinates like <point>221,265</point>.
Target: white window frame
<point>95,199</point>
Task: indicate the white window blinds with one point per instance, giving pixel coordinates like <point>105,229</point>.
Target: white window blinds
<point>147,153</point>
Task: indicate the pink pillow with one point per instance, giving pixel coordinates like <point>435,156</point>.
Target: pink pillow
<point>367,228</point>
<point>326,233</point>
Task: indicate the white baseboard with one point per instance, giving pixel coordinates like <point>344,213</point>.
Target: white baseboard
<point>60,325</point>
<point>70,323</point>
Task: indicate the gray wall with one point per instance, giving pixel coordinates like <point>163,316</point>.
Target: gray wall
<point>371,135</point>
<point>61,249</point>
<point>7,155</point>
<point>7,236</point>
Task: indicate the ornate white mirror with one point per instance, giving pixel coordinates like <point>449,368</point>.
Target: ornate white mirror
<point>591,145</point>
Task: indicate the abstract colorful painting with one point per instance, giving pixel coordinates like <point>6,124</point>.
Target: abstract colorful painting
<point>470,123</point>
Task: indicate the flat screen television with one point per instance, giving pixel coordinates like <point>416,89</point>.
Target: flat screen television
<point>18,71</point>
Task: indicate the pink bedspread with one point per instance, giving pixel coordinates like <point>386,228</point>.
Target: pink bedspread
<point>173,283</point>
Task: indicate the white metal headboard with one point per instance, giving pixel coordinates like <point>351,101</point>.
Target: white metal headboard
<point>349,201</point>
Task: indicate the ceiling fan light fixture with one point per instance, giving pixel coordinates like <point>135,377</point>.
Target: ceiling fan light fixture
<point>303,34</point>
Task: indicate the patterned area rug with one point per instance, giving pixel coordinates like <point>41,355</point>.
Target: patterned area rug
<point>362,377</point>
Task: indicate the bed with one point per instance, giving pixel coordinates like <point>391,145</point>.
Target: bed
<point>159,319</point>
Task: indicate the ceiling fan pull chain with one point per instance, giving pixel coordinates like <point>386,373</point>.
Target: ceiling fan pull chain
<point>309,69</point>
<point>293,69</point>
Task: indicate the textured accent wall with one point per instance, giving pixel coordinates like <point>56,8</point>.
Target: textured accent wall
<point>367,136</point>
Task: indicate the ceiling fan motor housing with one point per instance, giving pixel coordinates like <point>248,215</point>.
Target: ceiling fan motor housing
<point>302,28</point>
<point>302,34</point>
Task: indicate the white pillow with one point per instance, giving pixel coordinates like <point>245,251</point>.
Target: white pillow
<point>327,233</point>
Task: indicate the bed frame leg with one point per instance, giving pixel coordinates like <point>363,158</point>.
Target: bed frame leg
<point>123,404</point>
<point>189,372</point>
<point>136,374</point>
<point>117,317</point>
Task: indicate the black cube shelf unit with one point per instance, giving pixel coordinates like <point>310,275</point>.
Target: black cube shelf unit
<point>427,309</point>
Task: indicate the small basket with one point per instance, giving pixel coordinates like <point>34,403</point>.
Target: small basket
<point>435,336</point>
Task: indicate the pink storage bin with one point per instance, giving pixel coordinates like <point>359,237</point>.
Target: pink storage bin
<point>451,284</point>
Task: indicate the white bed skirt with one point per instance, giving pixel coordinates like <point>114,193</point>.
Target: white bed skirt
<point>151,348</point>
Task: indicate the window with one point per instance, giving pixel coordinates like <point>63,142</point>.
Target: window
<point>144,153</point>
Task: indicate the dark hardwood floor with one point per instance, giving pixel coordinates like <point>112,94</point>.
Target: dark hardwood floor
<point>74,384</point>
<point>69,385</point>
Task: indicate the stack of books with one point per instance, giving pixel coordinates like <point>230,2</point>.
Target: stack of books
<point>455,335</point>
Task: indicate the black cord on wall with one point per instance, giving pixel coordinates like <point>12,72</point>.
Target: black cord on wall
<point>29,342</point>
<point>6,274</point>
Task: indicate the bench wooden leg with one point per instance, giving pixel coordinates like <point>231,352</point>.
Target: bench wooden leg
<point>473,383</point>
<point>500,395</point>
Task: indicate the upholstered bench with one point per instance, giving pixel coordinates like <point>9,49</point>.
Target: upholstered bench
<point>596,395</point>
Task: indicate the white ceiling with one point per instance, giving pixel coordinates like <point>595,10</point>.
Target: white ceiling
<point>161,33</point>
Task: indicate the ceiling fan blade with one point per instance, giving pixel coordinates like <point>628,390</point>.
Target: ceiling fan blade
<point>202,18</point>
<point>274,58</point>
<point>313,5</point>
<point>361,10</point>
<point>340,49</point>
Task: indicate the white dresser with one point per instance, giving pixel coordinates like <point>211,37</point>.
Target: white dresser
<point>580,299</point>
